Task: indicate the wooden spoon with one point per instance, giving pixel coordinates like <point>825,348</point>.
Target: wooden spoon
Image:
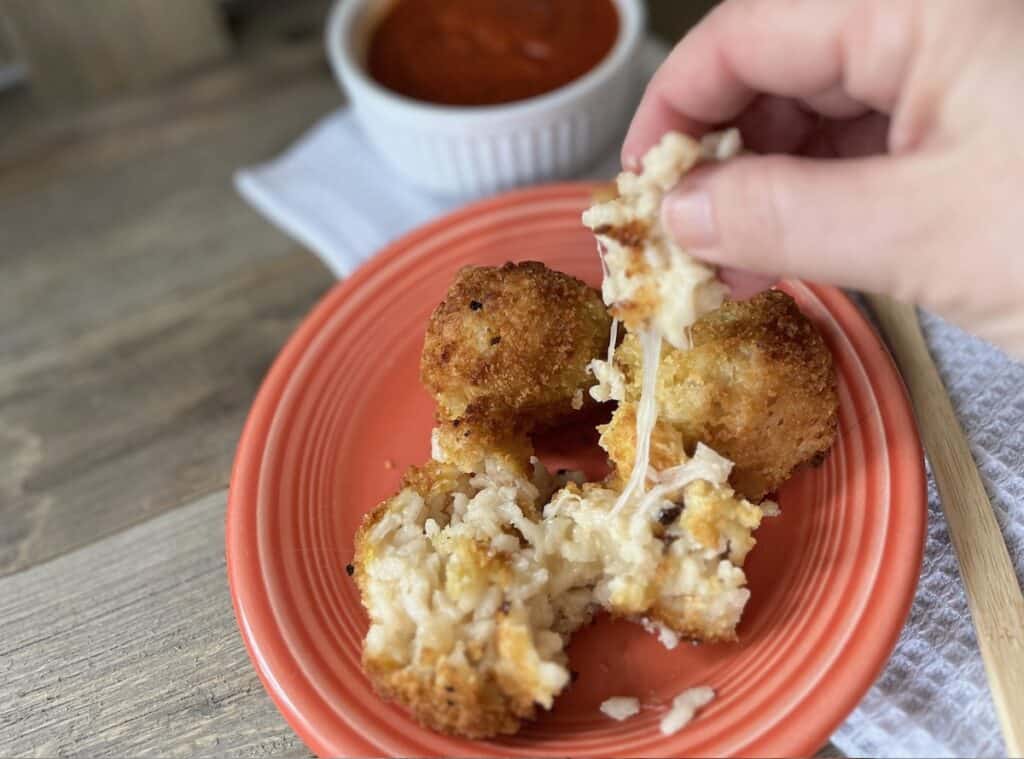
<point>993,593</point>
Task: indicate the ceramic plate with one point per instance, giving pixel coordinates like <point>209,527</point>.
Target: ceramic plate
<point>342,414</point>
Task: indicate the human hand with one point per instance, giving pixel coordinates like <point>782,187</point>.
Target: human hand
<point>891,155</point>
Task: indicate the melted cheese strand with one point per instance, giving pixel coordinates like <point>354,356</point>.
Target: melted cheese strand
<point>646,416</point>
<point>649,281</point>
<point>705,464</point>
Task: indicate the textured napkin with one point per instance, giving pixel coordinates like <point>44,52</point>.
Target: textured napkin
<point>332,193</point>
<point>932,699</point>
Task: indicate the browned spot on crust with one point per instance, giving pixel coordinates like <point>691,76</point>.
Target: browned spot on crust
<point>520,349</point>
<point>450,700</point>
<point>632,234</point>
<point>758,386</point>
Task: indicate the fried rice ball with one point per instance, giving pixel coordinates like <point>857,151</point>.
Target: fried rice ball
<point>513,343</point>
<point>758,387</point>
<point>462,628</point>
<point>474,583</point>
<point>477,572</point>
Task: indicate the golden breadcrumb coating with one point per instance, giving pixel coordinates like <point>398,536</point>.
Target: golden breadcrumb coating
<point>513,342</point>
<point>758,387</point>
<point>475,582</point>
<point>461,627</point>
<point>476,573</point>
<point>471,439</point>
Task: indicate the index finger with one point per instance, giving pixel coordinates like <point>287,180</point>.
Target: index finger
<point>741,49</point>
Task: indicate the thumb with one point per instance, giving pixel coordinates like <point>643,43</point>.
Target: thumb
<point>843,222</point>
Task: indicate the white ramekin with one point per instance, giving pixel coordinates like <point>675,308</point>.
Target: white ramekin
<point>474,151</point>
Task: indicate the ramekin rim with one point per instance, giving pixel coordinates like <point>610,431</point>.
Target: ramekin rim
<point>633,17</point>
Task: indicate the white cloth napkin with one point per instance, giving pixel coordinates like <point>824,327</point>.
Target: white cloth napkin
<point>932,699</point>
<point>331,192</point>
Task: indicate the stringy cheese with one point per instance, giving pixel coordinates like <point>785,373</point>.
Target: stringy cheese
<point>650,283</point>
<point>646,417</point>
<point>611,384</point>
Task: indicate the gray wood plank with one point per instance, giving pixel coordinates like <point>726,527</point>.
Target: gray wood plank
<point>128,647</point>
<point>142,414</point>
<point>81,51</point>
<point>141,301</point>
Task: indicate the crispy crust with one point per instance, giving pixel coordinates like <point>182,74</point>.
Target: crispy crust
<point>690,625</point>
<point>513,342</point>
<point>618,439</point>
<point>476,435</point>
<point>452,700</point>
<point>758,386</point>
<point>433,480</point>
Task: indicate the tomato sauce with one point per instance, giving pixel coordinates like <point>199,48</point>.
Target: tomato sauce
<point>483,52</point>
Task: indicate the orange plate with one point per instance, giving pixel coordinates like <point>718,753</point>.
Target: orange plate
<point>342,414</point>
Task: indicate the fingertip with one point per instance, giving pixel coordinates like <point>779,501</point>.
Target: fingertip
<point>653,118</point>
<point>630,160</point>
<point>687,213</point>
<point>639,139</point>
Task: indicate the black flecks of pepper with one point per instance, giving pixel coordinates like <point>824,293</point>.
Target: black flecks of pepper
<point>456,422</point>
<point>450,688</point>
<point>505,607</point>
<point>449,702</point>
<point>669,515</point>
<point>350,570</point>
<point>475,305</point>
<point>496,339</point>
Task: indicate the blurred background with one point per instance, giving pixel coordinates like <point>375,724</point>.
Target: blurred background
<point>57,55</point>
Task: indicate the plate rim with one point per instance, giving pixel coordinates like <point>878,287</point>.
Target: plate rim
<point>244,571</point>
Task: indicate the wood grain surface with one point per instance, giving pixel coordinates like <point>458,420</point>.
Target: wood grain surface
<point>141,301</point>
<point>129,647</point>
<point>80,51</point>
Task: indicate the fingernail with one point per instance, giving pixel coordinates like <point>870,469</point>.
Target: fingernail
<point>689,217</point>
<point>631,163</point>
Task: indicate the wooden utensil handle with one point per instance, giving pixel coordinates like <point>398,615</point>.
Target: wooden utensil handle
<point>993,592</point>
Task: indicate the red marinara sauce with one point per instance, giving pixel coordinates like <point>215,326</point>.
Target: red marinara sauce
<point>483,52</point>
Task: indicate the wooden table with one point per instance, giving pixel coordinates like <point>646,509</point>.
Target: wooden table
<point>141,303</point>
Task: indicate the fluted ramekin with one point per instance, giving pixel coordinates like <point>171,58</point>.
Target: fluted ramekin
<point>475,151</point>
